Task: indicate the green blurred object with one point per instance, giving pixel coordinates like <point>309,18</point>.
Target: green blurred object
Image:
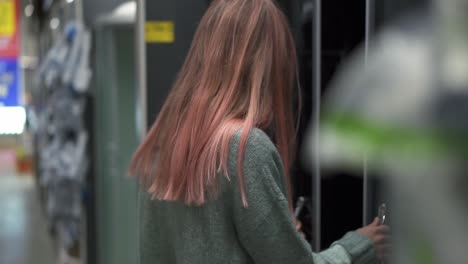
<point>422,253</point>
<point>379,138</point>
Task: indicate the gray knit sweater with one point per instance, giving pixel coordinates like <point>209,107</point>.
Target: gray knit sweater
<point>223,231</point>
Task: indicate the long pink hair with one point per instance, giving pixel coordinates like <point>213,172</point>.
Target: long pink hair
<point>239,74</point>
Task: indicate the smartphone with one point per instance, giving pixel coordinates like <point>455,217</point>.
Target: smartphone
<point>299,206</point>
<point>382,213</point>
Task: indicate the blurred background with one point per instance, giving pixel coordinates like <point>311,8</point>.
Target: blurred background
<point>384,121</point>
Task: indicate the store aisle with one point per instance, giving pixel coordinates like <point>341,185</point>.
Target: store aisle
<point>24,238</point>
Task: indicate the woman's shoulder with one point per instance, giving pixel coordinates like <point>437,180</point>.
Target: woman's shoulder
<point>258,146</point>
<point>260,152</point>
<point>262,166</point>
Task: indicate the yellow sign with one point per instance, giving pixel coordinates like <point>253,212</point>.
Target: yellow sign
<point>7,18</point>
<point>159,32</point>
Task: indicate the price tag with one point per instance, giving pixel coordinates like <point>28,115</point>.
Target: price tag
<point>160,32</point>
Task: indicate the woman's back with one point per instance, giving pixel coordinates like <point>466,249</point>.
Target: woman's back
<point>178,233</point>
<point>224,231</point>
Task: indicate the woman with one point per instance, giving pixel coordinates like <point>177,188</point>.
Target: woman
<point>218,188</point>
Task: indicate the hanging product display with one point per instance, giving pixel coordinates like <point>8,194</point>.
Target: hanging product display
<point>61,135</point>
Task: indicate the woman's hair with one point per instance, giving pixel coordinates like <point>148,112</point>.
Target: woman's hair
<point>239,74</point>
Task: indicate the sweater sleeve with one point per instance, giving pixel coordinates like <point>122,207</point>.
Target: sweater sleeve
<point>265,228</point>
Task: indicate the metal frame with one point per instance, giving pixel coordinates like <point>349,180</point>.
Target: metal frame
<point>316,88</point>
<point>369,28</point>
<point>142,108</point>
<point>141,69</point>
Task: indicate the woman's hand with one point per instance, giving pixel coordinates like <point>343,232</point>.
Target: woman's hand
<point>379,234</point>
<point>299,228</point>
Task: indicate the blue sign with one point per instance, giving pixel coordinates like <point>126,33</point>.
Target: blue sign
<point>9,82</point>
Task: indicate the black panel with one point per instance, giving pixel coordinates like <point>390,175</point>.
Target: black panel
<point>343,30</point>
<point>387,11</point>
<point>90,188</point>
<point>165,60</point>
